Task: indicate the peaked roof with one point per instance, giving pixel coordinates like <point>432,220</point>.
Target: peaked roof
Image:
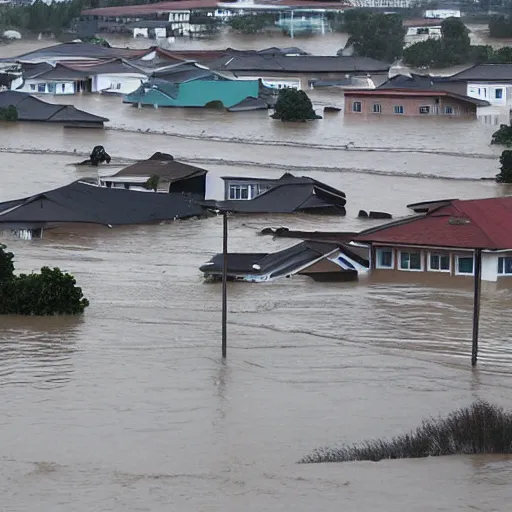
<point>166,168</point>
<point>33,109</point>
<point>414,81</point>
<point>185,72</point>
<point>473,224</point>
<point>484,72</point>
<point>79,202</point>
<point>299,64</point>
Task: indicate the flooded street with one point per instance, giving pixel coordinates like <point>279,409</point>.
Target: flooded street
<point>130,408</point>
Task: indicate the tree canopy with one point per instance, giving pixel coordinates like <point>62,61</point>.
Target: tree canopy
<point>373,34</point>
<point>294,105</point>
<point>505,175</point>
<point>9,113</point>
<point>50,292</point>
<point>251,23</point>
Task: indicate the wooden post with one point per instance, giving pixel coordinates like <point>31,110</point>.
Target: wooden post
<point>224,283</point>
<point>476,304</point>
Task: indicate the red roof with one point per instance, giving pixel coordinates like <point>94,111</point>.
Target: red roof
<point>474,224</point>
<point>141,9</point>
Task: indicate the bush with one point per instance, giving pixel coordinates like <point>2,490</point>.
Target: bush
<point>152,183</point>
<point>9,113</point>
<point>505,175</point>
<point>479,428</point>
<point>251,23</point>
<point>503,135</point>
<point>294,105</point>
<point>51,292</point>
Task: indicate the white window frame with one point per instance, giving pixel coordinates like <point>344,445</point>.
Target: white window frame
<point>409,251</point>
<point>498,265</point>
<point>354,103</point>
<point>440,254</point>
<point>240,187</point>
<point>384,249</point>
<point>457,257</point>
<point>398,109</point>
<point>377,108</point>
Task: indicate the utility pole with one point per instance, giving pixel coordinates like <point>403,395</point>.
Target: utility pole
<point>476,304</point>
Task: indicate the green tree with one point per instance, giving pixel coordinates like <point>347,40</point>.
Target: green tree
<point>251,23</point>
<point>51,292</point>
<point>503,136</point>
<point>505,175</point>
<point>152,183</point>
<point>9,113</point>
<point>376,35</point>
<point>455,40</point>
<point>294,105</point>
<point>500,26</point>
<point>424,54</point>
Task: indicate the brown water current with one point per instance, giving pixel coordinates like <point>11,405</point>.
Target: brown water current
<point>130,408</point>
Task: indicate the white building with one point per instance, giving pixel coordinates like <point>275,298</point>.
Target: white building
<point>441,14</point>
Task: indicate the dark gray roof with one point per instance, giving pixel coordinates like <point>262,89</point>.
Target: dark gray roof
<point>163,86</point>
<point>281,263</point>
<point>485,72</point>
<point>414,81</point>
<point>34,70</point>
<point>185,73</point>
<point>171,170</point>
<point>34,109</point>
<point>60,72</point>
<point>289,194</point>
<point>272,50</point>
<point>299,64</point>
<point>250,103</point>
<point>82,203</point>
<point>78,50</point>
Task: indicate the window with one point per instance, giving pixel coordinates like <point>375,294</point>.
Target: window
<point>356,106</point>
<point>399,109</point>
<point>498,94</point>
<point>239,192</point>
<point>51,88</point>
<point>439,262</point>
<point>41,87</point>
<point>32,87</point>
<point>448,110</point>
<point>464,265</point>
<point>410,260</point>
<point>377,108</point>
<point>384,258</point>
<point>505,266</point>
<point>425,110</point>
<point>118,86</point>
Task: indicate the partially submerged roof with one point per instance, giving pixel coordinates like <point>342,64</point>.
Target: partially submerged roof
<point>250,103</point>
<point>412,93</point>
<point>483,72</point>
<point>286,262</point>
<point>79,202</point>
<point>170,170</point>
<point>30,108</point>
<point>186,72</point>
<point>473,224</point>
<point>414,81</point>
<point>289,194</point>
<point>299,64</point>
<point>158,7</point>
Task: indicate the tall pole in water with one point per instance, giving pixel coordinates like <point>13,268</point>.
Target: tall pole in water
<point>224,283</point>
<point>476,304</point>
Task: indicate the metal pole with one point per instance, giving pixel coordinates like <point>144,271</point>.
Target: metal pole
<point>224,283</point>
<point>476,304</point>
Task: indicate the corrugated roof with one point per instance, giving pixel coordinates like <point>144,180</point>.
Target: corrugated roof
<point>473,224</point>
<point>482,72</point>
<point>82,203</point>
<point>130,10</point>
<point>299,64</point>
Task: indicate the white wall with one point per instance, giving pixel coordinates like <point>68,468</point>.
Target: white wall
<point>489,92</point>
<point>54,87</point>
<point>442,14</point>
<point>121,83</point>
<point>489,266</point>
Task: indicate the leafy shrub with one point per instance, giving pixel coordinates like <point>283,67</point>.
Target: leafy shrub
<point>51,292</point>
<point>294,105</point>
<point>503,136</point>
<point>479,428</point>
<point>9,113</point>
<point>251,23</point>
<point>505,175</point>
<point>152,183</point>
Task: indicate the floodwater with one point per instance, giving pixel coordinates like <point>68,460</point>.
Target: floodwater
<point>130,408</point>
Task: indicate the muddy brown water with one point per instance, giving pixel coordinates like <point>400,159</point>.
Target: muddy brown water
<point>130,408</point>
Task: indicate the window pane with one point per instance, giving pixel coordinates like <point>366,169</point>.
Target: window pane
<point>245,192</point>
<point>445,262</point>
<point>500,265</point>
<point>465,265</point>
<point>499,94</point>
<point>415,261</point>
<point>434,262</point>
<point>404,260</point>
<point>508,265</point>
<point>385,258</point>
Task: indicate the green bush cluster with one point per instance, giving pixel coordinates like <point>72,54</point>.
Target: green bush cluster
<point>51,292</point>
<point>252,23</point>
<point>503,136</point>
<point>294,105</point>
<point>9,113</point>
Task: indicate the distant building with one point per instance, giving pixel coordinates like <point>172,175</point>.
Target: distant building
<point>441,14</point>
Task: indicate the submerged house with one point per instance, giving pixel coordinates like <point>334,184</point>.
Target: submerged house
<point>449,238</point>
<point>33,109</point>
<point>322,261</point>
<point>288,194</point>
<point>83,203</point>
<point>192,85</point>
<point>169,176</point>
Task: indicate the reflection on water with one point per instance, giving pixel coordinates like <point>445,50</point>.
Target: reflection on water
<point>131,408</point>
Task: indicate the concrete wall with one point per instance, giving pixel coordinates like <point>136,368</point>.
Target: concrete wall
<point>411,106</point>
<point>498,94</point>
<point>36,86</point>
<point>121,83</point>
